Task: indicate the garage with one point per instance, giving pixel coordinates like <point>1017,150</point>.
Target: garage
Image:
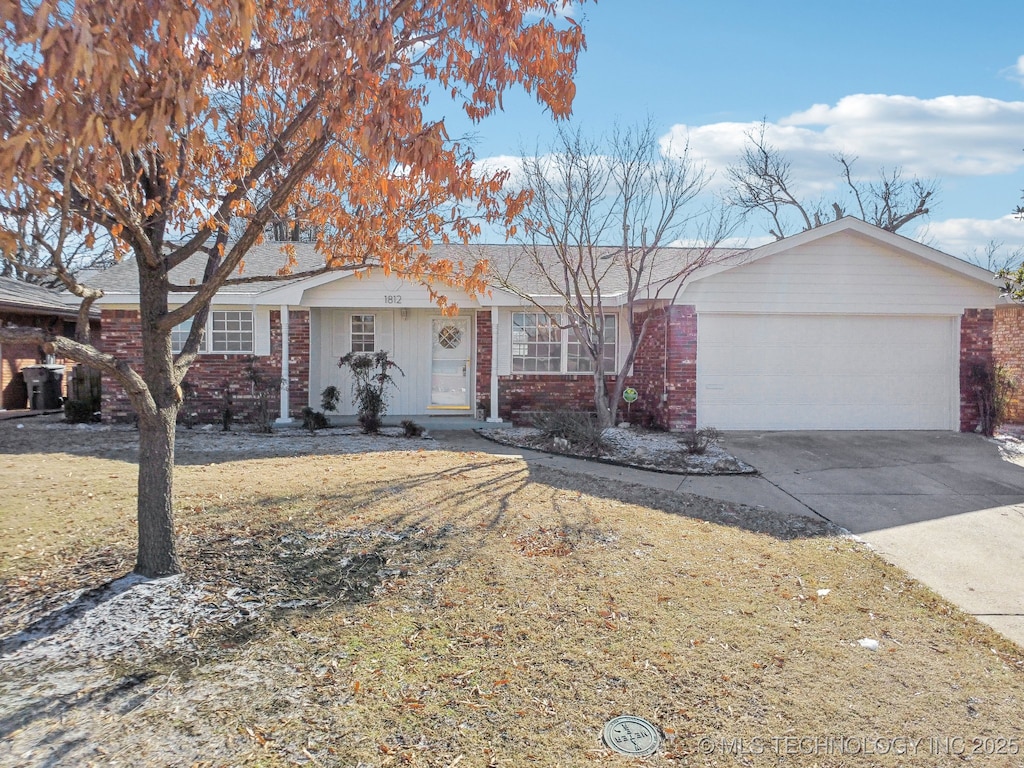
<point>827,371</point>
<point>841,327</point>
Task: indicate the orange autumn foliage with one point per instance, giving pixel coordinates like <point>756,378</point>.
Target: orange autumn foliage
<point>152,118</point>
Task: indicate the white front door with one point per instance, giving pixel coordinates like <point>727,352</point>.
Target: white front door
<point>450,362</point>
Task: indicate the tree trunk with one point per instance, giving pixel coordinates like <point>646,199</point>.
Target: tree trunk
<point>605,411</point>
<point>158,552</point>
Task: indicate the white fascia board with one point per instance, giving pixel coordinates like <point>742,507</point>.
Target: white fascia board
<point>291,292</point>
<point>500,297</point>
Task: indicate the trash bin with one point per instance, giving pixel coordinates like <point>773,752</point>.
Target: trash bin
<point>44,386</point>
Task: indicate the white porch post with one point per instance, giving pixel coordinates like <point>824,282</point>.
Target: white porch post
<point>284,418</point>
<point>494,418</point>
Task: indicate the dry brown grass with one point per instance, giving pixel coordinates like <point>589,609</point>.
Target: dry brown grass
<point>518,611</point>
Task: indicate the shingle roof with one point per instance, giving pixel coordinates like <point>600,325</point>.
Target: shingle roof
<point>26,298</point>
<point>505,260</point>
<point>261,260</point>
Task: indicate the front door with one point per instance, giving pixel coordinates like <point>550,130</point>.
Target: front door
<point>450,362</point>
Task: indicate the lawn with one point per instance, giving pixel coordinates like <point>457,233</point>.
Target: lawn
<point>401,606</point>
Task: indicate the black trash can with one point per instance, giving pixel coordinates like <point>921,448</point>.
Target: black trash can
<point>44,386</point>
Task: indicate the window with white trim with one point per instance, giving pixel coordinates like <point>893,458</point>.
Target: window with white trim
<point>578,360</point>
<point>229,331</point>
<point>536,343</point>
<point>539,345</point>
<point>363,333</point>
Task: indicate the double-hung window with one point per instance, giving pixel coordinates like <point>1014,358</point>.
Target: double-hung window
<point>539,345</point>
<point>364,333</point>
<point>228,331</point>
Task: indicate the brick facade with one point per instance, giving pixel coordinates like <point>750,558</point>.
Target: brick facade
<point>1008,352</point>
<point>976,331</point>
<point>484,356</point>
<point>213,377</point>
<point>664,375</point>
<point>14,357</point>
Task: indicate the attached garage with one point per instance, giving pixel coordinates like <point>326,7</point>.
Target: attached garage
<point>841,327</point>
<point>776,372</point>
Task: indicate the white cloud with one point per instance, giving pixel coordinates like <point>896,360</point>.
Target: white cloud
<point>567,8</point>
<point>940,138</point>
<point>1016,72</point>
<point>487,166</point>
<point>966,237</point>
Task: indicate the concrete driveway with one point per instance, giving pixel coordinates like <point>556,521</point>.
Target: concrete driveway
<point>943,506</point>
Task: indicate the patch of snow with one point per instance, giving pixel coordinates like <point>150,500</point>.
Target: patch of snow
<point>128,618</point>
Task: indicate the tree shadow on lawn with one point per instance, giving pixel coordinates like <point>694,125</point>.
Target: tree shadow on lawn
<point>276,560</point>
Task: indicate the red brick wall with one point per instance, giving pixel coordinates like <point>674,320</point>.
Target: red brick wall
<point>667,346</point>
<point>976,329</point>
<point>1008,352</point>
<point>213,375</point>
<point>665,368</point>
<point>13,391</point>
<point>484,337</point>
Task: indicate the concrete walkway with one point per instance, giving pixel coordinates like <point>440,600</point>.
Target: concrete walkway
<point>943,506</point>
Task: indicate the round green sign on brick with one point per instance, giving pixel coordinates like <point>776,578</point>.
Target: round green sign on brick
<point>630,395</point>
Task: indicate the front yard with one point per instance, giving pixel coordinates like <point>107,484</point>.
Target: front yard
<point>407,605</point>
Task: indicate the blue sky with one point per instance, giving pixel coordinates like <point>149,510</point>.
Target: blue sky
<point>934,87</point>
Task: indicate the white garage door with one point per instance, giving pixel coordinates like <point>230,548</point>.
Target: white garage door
<point>827,372</point>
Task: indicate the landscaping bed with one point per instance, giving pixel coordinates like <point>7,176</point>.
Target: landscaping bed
<point>653,450</point>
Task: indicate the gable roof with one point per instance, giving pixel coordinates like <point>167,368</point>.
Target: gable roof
<point>28,299</point>
<point>510,259</point>
<point>864,229</point>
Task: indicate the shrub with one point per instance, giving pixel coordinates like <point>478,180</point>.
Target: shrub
<point>993,387</point>
<point>412,429</point>
<point>313,420</point>
<point>579,428</point>
<point>329,399</point>
<point>79,412</point>
<point>263,387</point>
<point>371,377</point>
<point>697,441</point>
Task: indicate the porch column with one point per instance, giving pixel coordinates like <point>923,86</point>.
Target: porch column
<point>494,418</point>
<point>284,418</point>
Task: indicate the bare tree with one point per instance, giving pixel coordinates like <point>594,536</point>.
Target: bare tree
<point>763,181</point>
<point>595,239</point>
<point>39,237</point>
<point>996,258</point>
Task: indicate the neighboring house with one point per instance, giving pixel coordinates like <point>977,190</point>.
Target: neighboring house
<point>845,326</point>
<point>25,304</point>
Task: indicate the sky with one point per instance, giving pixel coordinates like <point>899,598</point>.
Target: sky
<point>935,88</point>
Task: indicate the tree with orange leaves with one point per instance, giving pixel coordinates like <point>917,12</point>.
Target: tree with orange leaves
<point>172,124</point>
